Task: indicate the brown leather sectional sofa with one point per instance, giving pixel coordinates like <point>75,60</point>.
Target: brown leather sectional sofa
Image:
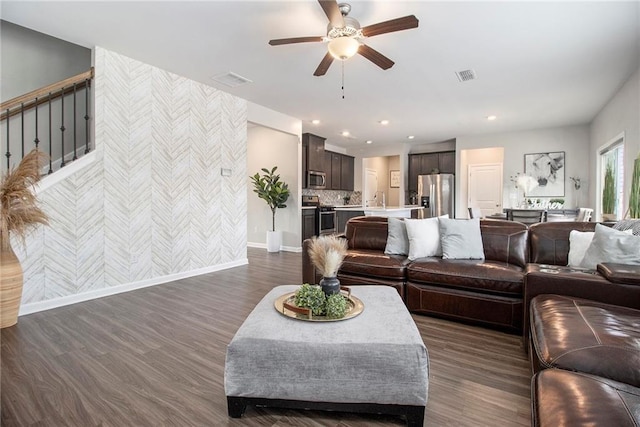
<point>586,360</point>
<point>582,327</point>
<point>519,262</point>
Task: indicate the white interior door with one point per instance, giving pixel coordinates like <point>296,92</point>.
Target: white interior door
<point>485,187</point>
<point>370,187</point>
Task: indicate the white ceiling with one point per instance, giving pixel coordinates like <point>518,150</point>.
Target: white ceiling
<point>539,64</point>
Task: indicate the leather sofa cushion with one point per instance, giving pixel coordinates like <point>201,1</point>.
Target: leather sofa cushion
<point>620,273</point>
<point>549,241</point>
<point>586,336</point>
<point>485,276</point>
<point>575,399</point>
<point>367,232</point>
<point>505,241</point>
<point>373,263</point>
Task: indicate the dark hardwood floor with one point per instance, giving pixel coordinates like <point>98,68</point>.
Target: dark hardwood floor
<point>155,357</point>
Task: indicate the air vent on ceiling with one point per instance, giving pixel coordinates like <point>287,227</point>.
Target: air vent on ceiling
<point>231,79</point>
<point>466,75</point>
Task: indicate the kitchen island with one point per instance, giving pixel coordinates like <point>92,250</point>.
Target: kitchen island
<point>392,211</point>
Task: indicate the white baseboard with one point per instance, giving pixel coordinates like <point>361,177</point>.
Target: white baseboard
<point>282,248</point>
<point>35,307</point>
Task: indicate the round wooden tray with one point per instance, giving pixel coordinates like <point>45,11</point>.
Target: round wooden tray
<point>286,306</point>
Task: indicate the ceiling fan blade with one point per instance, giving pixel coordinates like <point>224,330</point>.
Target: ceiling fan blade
<point>376,57</point>
<point>397,24</point>
<point>324,65</point>
<point>278,42</point>
<point>332,11</point>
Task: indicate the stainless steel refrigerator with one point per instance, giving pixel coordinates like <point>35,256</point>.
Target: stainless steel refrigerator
<point>436,194</point>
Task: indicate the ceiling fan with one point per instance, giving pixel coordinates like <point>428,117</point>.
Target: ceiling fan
<point>344,36</point>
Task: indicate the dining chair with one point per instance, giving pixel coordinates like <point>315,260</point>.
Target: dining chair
<point>584,215</point>
<point>527,216</point>
<point>475,213</point>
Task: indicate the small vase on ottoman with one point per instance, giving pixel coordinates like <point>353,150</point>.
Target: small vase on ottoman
<point>327,253</point>
<point>330,285</point>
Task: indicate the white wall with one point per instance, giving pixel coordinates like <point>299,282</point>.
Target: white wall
<point>381,166</point>
<point>474,157</point>
<point>31,60</point>
<point>150,204</point>
<point>267,148</point>
<point>573,140</point>
<point>620,114</point>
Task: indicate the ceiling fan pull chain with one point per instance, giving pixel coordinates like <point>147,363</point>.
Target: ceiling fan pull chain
<point>342,63</point>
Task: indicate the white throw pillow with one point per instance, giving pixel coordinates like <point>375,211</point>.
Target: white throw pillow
<point>424,237</point>
<point>579,242</point>
<point>397,239</point>
<point>609,245</point>
<point>461,239</point>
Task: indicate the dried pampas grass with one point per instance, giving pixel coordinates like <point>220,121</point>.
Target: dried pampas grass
<point>327,253</point>
<point>19,209</point>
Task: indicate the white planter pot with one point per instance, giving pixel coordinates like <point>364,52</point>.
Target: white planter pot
<point>274,241</point>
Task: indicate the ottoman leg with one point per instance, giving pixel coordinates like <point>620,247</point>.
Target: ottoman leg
<point>236,406</point>
<point>415,416</point>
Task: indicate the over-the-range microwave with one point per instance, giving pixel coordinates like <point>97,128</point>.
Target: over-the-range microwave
<point>316,180</point>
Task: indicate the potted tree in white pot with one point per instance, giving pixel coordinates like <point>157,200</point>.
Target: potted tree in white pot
<point>634,196</point>
<point>609,194</point>
<point>269,188</point>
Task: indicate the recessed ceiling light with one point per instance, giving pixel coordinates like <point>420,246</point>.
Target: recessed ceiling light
<point>492,117</point>
<point>384,122</point>
<point>369,141</point>
<point>410,137</point>
<point>345,133</point>
<point>315,121</point>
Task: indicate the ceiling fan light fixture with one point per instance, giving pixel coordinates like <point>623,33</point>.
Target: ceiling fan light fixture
<point>343,48</point>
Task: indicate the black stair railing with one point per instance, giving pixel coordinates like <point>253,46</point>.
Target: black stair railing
<point>51,98</point>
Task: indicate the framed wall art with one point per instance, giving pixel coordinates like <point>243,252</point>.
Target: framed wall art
<point>548,171</point>
<point>394,179</point>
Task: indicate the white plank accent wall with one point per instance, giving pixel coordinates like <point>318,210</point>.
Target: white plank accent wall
<point>153,203</point>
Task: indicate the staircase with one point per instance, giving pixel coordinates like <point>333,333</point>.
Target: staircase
<point>54,119</point>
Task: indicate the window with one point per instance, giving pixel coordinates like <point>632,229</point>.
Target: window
<point>612,154</point>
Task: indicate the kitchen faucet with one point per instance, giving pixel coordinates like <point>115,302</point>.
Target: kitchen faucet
<point>375,198</point>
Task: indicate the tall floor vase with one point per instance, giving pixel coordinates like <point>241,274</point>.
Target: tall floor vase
<point>10,283</point>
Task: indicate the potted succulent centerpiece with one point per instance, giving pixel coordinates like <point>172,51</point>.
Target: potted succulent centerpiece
<point>275,192</point>
<point>19,213</point>
<point>609,194</point>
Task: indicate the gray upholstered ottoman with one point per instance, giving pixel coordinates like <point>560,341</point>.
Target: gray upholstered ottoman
<point>375,362</point>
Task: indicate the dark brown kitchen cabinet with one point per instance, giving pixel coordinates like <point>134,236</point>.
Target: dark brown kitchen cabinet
<point>308,223</point>
<point>347,173</point>
<point>426,163</point>
<point>429,164</point>
<point>328,155</point>
<point>339,169</point>
<point>315,151</point>
<point>447,162</point>
<point>336,171</point>
<point>343,216</point>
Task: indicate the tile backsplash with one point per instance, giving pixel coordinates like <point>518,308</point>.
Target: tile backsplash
<point>335,197</point>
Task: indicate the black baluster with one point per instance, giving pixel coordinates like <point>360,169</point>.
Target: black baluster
<point>75,157</point>
<point>86,114</point>
<point>22,126</point>
<point>62,128</point>
<point>8,153</point>
<point>50,138</point>
<point>36,141</point>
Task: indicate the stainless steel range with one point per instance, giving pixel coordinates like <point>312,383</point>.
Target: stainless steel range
<point>326,221</point>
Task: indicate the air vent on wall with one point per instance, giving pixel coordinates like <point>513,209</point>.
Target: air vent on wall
<point>231,79</point>
<point>466,75</point>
